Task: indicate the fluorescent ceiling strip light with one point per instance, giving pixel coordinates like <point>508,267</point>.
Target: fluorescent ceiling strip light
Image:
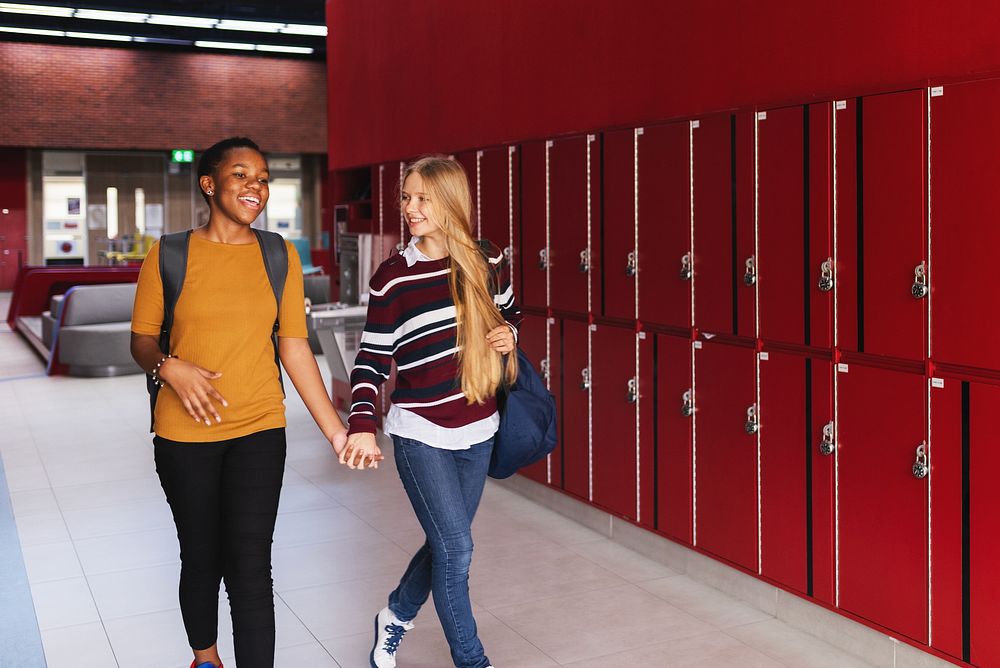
<point>162,40</point>
<point>33,31</point>
<point>225,45</point>
<point>284,49</point>
<point>304,29</point>
<point>104,15</point>
<point>39,10</point>
<point>182,21</point>
<point>249,26</point>
<point>95,35</point>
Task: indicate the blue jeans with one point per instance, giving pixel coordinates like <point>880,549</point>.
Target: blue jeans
<point>444,487</point>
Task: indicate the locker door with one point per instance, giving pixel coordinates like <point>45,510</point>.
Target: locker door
<point>614,470</point>
<point>780,224</point>
<point>665,259</point>
<point>575,408</point>
<point>890,239</point>
<point>618,273</point>
<point>784,468</point>
<point>820,300</point>
<point>498,197</point>
<point>675,419</point>
<point>714,220</point>
<point>845,169</point>
<point>984,527</point>
<point>883,507</point>
<point>725,454</point>
<point>388,217</point>
<point>823,494</point>
<point>965,230</point>
<point>572,185</point>
<point>13,218</point>
<point>744,226</point>
<point>468,160</point>
<point>532,340</point>
<point>531,273</point>
<point>647,418</point>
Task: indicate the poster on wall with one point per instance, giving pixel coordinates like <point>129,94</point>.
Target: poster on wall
<point>73,206</point>
<point>97,216</point>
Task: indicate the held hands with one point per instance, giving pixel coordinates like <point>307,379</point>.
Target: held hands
<point>501,339</point>
<point>191,383</point>
<point>361,447</point>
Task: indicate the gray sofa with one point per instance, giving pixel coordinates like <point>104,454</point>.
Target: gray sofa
<point>94,328</point>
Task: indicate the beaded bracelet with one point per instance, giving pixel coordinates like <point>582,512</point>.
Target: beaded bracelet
<point>155,373</point>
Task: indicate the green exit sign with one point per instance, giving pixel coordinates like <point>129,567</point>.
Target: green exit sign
<point>182,155</point>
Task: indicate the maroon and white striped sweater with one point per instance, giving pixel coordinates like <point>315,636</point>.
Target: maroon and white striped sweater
<point>411,320</point>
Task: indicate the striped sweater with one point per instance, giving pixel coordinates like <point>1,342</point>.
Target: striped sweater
<point>411,321</point>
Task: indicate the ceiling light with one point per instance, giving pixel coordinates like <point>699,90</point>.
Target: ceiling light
<point>182,21</point>
<point>103,15</point>
<point>284,49</point>
<point>33,31</point>
<point>225,45</point>
<point>303,29</point>
<point>39,10</point>
<point>162,40</point>
<point>95,35</point>
<point>249,26</point>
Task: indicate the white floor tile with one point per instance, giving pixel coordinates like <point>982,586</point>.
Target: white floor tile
<point>135,550</point>
<point>136,592</point>
<point>82,646</point>
<point>40,528</point>
<point>63,603</point>
<point>121,519</point>
<point>51,561</point>
<point>150,641</point>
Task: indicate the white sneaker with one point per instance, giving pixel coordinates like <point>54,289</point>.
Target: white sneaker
<point>389,631</point>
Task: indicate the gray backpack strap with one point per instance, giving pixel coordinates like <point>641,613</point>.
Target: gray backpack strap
<point>275,252</point>
<point>173,265</point>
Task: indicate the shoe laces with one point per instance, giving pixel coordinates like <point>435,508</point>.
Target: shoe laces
<point>395,635</point>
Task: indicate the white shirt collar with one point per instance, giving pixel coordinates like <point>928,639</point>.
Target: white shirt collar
<point>412,254</point>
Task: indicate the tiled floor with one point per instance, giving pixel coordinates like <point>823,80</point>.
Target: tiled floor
<point>101,556</point>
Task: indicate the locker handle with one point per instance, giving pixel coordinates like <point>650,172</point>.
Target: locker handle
<point>508,253</point>
<point>632,266</point>
<point>687,407</point>
<point>543,259</point>
<point>826,275</point>
<point>752,425</point>
<point>632,393</point>
<point>686,270</point>
<point>546,371</point>
<point>585,261</point>
<point>750,277</point>
<point>585,379</point>
<point>920,467</point>
<point>919,289</point>
<point>827,444</point>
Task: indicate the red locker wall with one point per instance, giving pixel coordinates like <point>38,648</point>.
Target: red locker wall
<point>618,273</point>
<point>675,416</point>
<point>531,274</point>
<point>984,545</point>
<point>574,418</point>
<point>13,214</point>
<point>532,340</point>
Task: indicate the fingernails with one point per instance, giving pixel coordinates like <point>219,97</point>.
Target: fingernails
<point>225,403</point>
<point>218,419</point>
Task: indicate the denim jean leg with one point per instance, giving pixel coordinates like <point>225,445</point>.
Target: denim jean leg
<point>414,587</point>
<point>444,488</point>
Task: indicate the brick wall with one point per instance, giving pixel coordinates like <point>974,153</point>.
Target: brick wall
<point>54,96</point>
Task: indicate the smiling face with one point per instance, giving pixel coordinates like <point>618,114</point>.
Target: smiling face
<point>417,207</point>
<point>239,186</point>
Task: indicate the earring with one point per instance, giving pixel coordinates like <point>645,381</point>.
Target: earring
<point>210,193</point>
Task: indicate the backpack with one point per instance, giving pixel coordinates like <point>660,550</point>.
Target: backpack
<point>173,266</point>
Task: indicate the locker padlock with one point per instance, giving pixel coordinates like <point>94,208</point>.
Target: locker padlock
<point>919,289</point>
<point>585,379</point>
<point>920,467</point>
<point>753,424</point>
<point>400,247</point>
<point>686,271</point>
<point>546,372</point>
<point>827,445</point>
<point>543,259</point>
<point>584,260</point>
<point>687,407</point>
<point>508,253</point>
<point>633,264</point>
<point>826,275</point>
<point>750,277</point>
<point>632,395</point>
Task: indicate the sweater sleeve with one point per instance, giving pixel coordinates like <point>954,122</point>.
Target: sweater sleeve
<point>504,298</point>
<point>374,360</point>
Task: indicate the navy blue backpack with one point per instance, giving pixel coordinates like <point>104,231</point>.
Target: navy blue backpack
<point>527,430</point>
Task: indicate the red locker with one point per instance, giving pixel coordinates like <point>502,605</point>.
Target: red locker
<point>534,337</point>
<point>531,273</point>
<point>498,196</point>
<point>725,453</point>
<point>647,418</point>
<point>822,446</point>
<point>675,423</point>
<point>820,277</point>
<point>468,161</point>
<point>616,475</point>
<point>665,258</point>
<point>573,249</point>
<point>984,527</point>
<point>388,217</point>
<point>714,263</point>
<point>784,469</point>
<point>889,241</point>
<point>620,263</point>
<point>574,417</point>
<point>845,196</point>
<point>746,248</point>
<point>781,228</point>
<point>965,235</point>
<point>13,215</point>
<point>882,429</point>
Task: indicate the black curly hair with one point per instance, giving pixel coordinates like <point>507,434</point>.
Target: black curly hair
<point>211,158</point>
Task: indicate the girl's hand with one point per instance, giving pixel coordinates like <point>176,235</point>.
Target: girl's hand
<point>361,447</point>
<point>501,339</point>
<point>191,383</point>
<point>338,440</point>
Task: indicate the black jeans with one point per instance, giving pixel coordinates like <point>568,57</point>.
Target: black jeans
<point>224,499</point>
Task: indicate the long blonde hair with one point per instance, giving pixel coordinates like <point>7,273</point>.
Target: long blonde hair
<point>481,369</point>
